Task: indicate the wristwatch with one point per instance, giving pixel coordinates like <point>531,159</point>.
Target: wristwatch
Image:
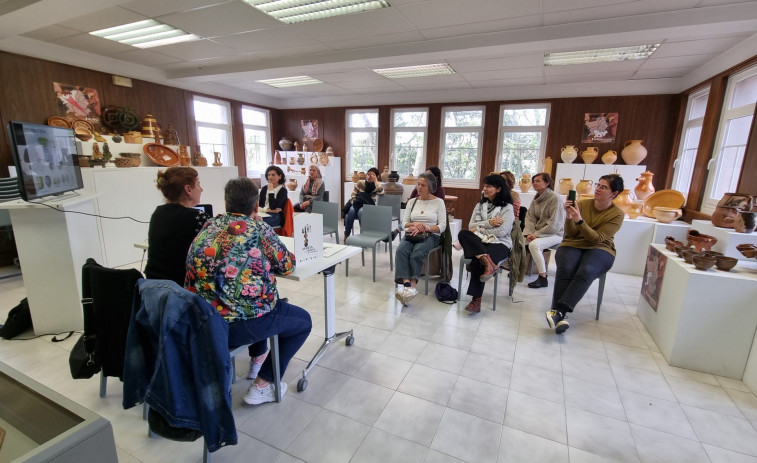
<point>579,222</point>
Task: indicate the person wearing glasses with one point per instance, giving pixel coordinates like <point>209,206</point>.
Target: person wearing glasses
<point>587,249</point>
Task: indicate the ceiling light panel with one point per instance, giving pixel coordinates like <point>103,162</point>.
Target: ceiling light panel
<point>602,55</point>
<point>286,82</point>
<point>295,11</point>
<point>145,34</point>
<point>423,70</point>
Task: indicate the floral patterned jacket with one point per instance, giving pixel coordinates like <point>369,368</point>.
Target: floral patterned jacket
<point>231,264</point>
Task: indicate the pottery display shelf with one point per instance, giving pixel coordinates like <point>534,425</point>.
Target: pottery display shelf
<point>705,319</point>
<point>330,174</point>
<point>727,238</point>
<point>578,171</point>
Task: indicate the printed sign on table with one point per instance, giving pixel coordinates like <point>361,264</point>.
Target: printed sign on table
<point>308,237</point>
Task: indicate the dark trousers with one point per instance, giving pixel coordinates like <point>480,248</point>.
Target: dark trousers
<point>274,220</point>
<point>576,269</point>
<point>472,247</point>
<point>290,322</point>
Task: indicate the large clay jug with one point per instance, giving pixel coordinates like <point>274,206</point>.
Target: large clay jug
<point>568,154</point>
<point>355,176</point>
<point>624,200</point>
<point>610,157</point>
<point>590,154</point>
<point>644,187</point>
<point>547,165</point>
<point>633,152</point>
<point>525,183</point>
<point>584,187</point>
<point>566,184</point>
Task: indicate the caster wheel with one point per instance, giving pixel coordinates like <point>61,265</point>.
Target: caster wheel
<point>302,384</point>
<point>350,340</point>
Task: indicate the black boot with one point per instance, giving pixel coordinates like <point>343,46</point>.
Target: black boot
<point>540,282</point>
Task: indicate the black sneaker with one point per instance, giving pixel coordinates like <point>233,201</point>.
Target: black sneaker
<point>553,318</point>
<point>540,282</point>
<point>562,325</point>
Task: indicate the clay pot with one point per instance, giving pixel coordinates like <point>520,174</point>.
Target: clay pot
<point>703,262</point>
<point>355,176</point>
<point>666,214</point>
<point>385,174</point>
<point>568,154</point>
<point>670,243</point>
<point>590,154</point>
<point>292,160</point>
<point>361,175</point>
<point>184,158</point>
<point>633,152</point>
<point>610,157</point>
<point>584,187</point>
<point>745,222</point>
<point>624,200</point>
<point>547,163</point>
<point>409,180</point>
<point>525,183</point>
<point>747,250</point>
<point>277,157</point>
<point>644,188</point>
<point>688,255</point>
<point>700,241</point>
<point>565,185</point>
<point>286,144</point>
<point>391,187</point>
<point>149,125</point>
<point>679,248</point>
<point>635,210</point>
<point>728,209</point>
<point>393,175</point>
<point>292,185</point>
<point>300,159</point>
<point>725,263</point>
<point>330,151</point>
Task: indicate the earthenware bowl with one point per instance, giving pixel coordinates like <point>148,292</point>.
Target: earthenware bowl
<point>688,255</point>
<point>703,262</point>
<point>726,263</point>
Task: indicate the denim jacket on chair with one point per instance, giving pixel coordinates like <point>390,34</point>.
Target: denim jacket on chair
<point>177,361</point>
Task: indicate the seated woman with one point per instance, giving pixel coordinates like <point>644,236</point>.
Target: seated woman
<point>312,190</point>
<point>510,180</point>
<point>544,224</point>
<point>365,192</point>
<point>487,240</point>
<point>231,264</point>
<point>437,173</point>
<point>587,250</point>
<point>424,215</point>
<point>174,225</point>
<point>273,197</point>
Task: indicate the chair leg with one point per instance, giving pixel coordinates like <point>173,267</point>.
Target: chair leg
<point>274,341</point>
<point>600,293</point>
<point>103,384</point>
<point>205,453</point>
<point>494,297</point>
<point>460,277</point>
<point>337,236</point>
<point>391,257</point>
<point>346,267</point>
<point>374,261</point>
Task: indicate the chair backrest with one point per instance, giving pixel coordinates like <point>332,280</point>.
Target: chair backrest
<point>326,196</point>
<point>330,212</point>
<point>376,219</point>
<point>393,201</point>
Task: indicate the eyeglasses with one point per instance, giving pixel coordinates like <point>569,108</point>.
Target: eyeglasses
<point>599,186</point>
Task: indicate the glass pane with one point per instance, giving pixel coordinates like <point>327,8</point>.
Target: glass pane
<point>256,149</point>
<point>744,93</point>
<point>254,117</point>
<point>731,156</point>
<point>208,150</point>
<point>212,140</point>
<point>211,112</point>
<point>363,120</point>
<point>473,118</point>
<point>520,152</point>
<point>410,119</point>
<point>698,105</point>
<point>211,135</point>
<point>524,117</point>
<point>685,168</point>
<point>460,155</point>
<point>408,152</point>
<point>363,150</point>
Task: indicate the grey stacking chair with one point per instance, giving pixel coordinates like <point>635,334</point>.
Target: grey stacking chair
<point>330,212</point>
<point>375,227</point>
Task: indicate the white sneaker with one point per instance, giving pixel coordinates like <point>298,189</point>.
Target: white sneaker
<point>400,295</point>
<point>255,366</point>
<point>410,293</point>
<point>256,395</point>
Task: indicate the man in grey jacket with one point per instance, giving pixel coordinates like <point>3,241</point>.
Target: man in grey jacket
<point>544,224</point>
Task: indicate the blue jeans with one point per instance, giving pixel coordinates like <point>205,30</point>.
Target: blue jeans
<point>290,322</point>
<point>576,269</point>
<point>408,262</point>
<point>349,220</point>
<point>274,220</point>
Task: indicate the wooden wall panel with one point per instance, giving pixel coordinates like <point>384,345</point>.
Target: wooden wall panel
<point>748,177</point>
<point>331,122</point>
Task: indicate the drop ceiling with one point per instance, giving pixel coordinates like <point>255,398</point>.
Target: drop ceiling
<point>495,46</point>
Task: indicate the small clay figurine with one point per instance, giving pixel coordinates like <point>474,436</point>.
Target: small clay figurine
<point>217,161</point>
<point>106,152</point>
<point>296,146</point>
<point>96,153</point>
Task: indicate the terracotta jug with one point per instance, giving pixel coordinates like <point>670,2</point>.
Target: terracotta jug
<point>547,162</point>
<point>277,157</point>
<point>610,157</point>
<point>584,187</point>
<point>568,154</point>
<point>385,174</point>
<point>624,200</point>
<point>644,187</point>
<point>633,152</point>
<point>184,158</point>
<point>292,185</point>
<point>355,176</point>
<point>590,154</point>
<point>525,183</point>
<point>566,184</point>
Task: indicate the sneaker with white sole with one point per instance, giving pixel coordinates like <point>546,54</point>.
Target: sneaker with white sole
<point>260,395</point>
<point>553,318</point>
<point>562,325</point>
<point>410,293</point>
<point>400,295</point>
<point>255,364</point>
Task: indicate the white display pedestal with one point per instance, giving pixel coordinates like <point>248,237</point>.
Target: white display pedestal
<point>727,238</point>
<point>52,247</point>
<point>526,198</point>
<point>705,320</point>
<point>631,243</point>
<point>676,229</point>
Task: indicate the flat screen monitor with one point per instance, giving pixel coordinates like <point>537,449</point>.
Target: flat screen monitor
<point>46,158</point>
<point>206,208</point>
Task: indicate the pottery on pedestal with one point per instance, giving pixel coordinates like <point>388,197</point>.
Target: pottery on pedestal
<point>590,154</point>
<point>300,159</point>
<point>547,163</point>
<point>391,187</point>
<point>184,158</point>
<point>361,175</point>
<point>385,174</point>
<point>635,210</point>
<point>286,144</point>
<point>277,157</point>
<point>745,222</point>
<point>610,157</point>
<point>409,180</point>
<point>355,176</point>
<point>624,200</point>
<point>633,152</point>
<point>393,175</point>
<point>584,187</point>
<point>728,208</point>
<point>565,185</point>
<point>666,214</point>
<point>699,241</point>
<point>644,188</point>
<point>568,154</point>
<point>292,185</point>
<point>525,183</point>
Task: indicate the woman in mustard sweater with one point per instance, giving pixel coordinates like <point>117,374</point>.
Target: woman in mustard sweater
<point>587,250</point>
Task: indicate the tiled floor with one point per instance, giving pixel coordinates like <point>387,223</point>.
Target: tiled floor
<point>431,383</point>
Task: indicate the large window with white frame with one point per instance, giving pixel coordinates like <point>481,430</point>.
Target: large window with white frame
<point>462,138</point>
<point>213,120</point>
<point>683,167</point>
<point>522,138</point>
<point>257,135</point>
<point>733,134</point>
<point>362,139</point>
<point>408,140</point>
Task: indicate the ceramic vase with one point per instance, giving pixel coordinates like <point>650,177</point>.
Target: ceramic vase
<point>565,185</point>
<point>584,187</point>
<point>355,176</point>
<point>633,152</point>
<point>393,175</point>
<point>184,158</point>
<point>610,157</point>
<point>300,159</point>
<point>568,154</point>
<point>728,209</point>
<point>286,144</point>
<point>624,200</point>
<point>590,154</point>
<point>745,222</point>
<point>292,185</point>
<point>644,188</point>
<point>547,162</point>
<point>391,187</point>
<point>525,183</point>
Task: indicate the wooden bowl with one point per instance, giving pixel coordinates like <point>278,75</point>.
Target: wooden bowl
<point>703,262</point>
<point>82,133</point>
<point>725,263</point>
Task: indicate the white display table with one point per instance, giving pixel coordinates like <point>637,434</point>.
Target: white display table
<point>727,238</point>
<point>705,320</point>
<point>635,236</point>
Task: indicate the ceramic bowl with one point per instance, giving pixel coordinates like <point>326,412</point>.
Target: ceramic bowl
<point>703,262</point>
<point>745,246</point>
<point>678,249</point>
<point>749,252</point>
<point>714,254</point>
<point>725,263</point>
<point>700,241</point>
<point>688,255</point>
<point>666,214</point>
<point>671,245</point>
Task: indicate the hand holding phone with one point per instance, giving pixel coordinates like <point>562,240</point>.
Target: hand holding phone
<point>572,196</point>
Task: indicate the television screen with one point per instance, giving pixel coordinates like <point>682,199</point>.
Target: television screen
<point>46,159</point>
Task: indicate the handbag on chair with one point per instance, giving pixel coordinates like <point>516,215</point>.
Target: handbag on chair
<point>83,361</point>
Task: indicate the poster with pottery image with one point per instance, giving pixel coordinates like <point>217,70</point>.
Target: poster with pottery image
<point>309,129</point>
<point>651,284</point>
<point>599,128</point>
<point>77,102</point>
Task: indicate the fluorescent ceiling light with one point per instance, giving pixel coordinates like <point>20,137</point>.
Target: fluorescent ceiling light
<point>295,11</point>
<point>602,55</point>
<point>145,34</point>
<point>285,82</point>
<point>416,71</point>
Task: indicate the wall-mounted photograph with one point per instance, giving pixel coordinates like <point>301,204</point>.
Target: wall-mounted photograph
<point>309,129</point>
<point>599,127</point>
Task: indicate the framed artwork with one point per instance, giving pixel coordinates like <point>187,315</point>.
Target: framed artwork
<point>599,128</point>
<point>651,284</point>
<point>309,129</point>
<point>77,101</point>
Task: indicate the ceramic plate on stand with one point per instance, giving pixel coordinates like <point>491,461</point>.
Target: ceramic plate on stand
<point>57,121</point>
<point>161,154</point>
<point>318,145</point>
<point>82,124</point>
<point>662,198</point>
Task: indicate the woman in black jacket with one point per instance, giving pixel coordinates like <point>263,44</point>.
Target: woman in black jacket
<point>273,197</point>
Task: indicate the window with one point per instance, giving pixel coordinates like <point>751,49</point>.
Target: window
<point>733,133</point>
<point>683,167</point>
<point>213,119</point>
<point>362,140</point>
<point>409,131</point>
<point>256,138</point>
<point>462,136</point>
<point>522,135</point>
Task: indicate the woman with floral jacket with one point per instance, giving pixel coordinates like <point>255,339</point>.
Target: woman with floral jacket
<point>231,264</point>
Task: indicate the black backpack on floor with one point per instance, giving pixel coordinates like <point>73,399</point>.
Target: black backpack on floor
<point>19,320</point>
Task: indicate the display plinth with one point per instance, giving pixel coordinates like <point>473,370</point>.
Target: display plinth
<point>727,238</point>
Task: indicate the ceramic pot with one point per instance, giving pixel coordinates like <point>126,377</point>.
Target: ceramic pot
<point>149,125</point>
<point>361,175</point>
<point>330,151</point>
<point>635,210</point>
<point>286,144</point>
<point>590,154</point>
<point>300,159</point>
<point>703,262</point>
<point>745,222</point>
<point>584,187</point>
<point>633,152</point>
<point>324,159</point>
<point>624,200</point>
<point>385,174</point>
<point>393,175</point>
<point>725,263</point>
<point>565,185</point>
<point>699,241</point>
<point>568,154</point>
<point>292,185</point>
<point>292,160</point>
<point>610,157</point>
<point>409,180</point>
<point>277,157</point>
<point>547,163</point>
<point>688,255</point>
<point>525,183</point>
<point>728,209</point>
<point>355,176</point>
<point>666,214</point>
<point>644,188</point>
<point>391,187</point>
<point>184,158</point>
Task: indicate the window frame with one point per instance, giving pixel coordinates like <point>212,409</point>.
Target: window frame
<point>473,183</point>
<point>348,131</point>
<point>687,126</point>
<point>420,163</point>
<point>228,128</point>
<point>502,129</point>
<point>267,149</point>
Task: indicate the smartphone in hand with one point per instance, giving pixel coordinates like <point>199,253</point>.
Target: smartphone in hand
<point>572,196</point>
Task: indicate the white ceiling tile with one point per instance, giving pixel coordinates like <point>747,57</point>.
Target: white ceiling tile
<point>92,44</point>
<point>443,13</point>
<point>347,76</point>
<point>376,41</point>
<point>223,19</point>
<point>103,19</point>
<point>696,47</point>
<point>438,86</point>
<point>553,6</point>
<point>508,82</point>
<point>675,62</point>
<point>456,30</point>
<point>376,23</point>
<point>661,73</point>
<point>533,60</point>
<point>153,9</point>
<point>595,77</point>
<point>51,33</point>
<point>429,80</point>
<point>503,73</point>
<point>146,57</point>
<point>598,68</point>
<point>385,84</point>
<point>291,52</point>
<point>198,49</point>
<point>619,10</point>
<point>268,39</point>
